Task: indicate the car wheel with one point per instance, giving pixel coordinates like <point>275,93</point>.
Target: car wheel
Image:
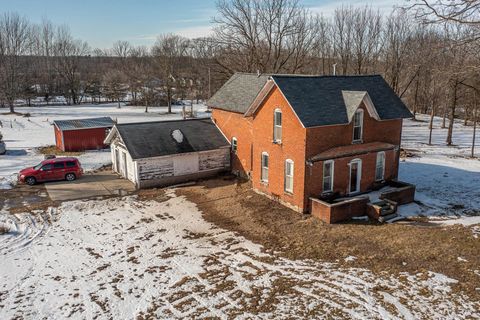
<point>70,177</point>
<point>30,181</point>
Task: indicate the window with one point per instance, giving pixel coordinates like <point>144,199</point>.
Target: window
<point>264,176</point>
<point>47,167</point>
<point>358,125</point>
<point>277,126</point>
<point>58,165</point>
<point>71,164</point>
<point>380,166</point>
<point>289,175</point>
<point>234,145</point>
<point>328,176</point>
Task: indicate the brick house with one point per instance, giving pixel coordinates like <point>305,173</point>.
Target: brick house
<point>304,137</point>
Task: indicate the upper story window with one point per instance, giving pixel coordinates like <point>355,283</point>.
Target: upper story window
<point>234,145</point>
<point>277,126</point>
<point>358,126</point>
<point>380,166</point>
<point>264,173</point>
<point>289,175</point>
<point>328,176</point>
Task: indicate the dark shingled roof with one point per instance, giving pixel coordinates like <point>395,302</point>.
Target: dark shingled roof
<point>318,100</point>
<point>238,93</point>
<point>154,139</point>
<point>75,124</point>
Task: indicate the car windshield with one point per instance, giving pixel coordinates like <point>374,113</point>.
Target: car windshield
<point>38,166</point>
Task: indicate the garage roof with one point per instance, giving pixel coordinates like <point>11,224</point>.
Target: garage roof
<point>76,124</point>
<point>162,138</point>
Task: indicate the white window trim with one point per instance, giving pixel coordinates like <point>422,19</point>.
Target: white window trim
<point>361,113</point>
<point>381,153</point>
<point>287,162</point>
<point>277,110</point>
<point>359,176</point>
<point>234,139</point>
<point>332,171</point>
<point>262,167</point>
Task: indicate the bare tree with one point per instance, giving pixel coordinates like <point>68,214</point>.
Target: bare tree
<point>15,42</point>
<point>114,86</point>
<point>168,51</point>
<point>269,36</point>
<point>68,56</point>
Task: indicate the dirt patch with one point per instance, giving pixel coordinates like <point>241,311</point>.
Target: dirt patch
<point>53,150</point>
<point>394,248</point>
<point>24,198</point>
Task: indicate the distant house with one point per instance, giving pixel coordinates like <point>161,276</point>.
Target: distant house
<point>168,152</point>
<point>306,138</point>
<point>82,134</point>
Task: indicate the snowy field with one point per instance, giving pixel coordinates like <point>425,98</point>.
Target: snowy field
<point>447,179</point>
<point>23,135</point>
<point>123,258</point>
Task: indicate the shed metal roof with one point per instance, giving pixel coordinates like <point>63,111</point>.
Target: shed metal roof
<point>76,124</point>
<point>162,138</point>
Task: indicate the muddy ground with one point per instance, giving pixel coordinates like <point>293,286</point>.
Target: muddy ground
<point>399,247</point>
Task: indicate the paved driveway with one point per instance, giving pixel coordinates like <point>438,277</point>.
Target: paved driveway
<point>89,186</point>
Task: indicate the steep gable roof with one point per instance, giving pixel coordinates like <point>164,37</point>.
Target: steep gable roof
<point>238,93</point>
<point>330,100</point>
<point>162,138</point>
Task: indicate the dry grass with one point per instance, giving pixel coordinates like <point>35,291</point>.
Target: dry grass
<point>57,152</point>
<point>379,247</point>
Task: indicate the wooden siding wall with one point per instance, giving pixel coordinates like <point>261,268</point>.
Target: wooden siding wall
<point>162,167</point>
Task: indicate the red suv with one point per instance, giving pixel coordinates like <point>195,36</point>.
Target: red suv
<point>52,169</point>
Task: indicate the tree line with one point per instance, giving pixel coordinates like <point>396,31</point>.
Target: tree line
<point>426,50</point>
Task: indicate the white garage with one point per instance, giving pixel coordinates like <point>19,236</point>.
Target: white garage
<point>168,152</point>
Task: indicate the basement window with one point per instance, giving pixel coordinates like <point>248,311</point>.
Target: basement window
<point>277,126</point>
<point>264,173</point>
<point>328,176</point>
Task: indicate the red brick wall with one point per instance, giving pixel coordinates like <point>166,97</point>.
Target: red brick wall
<point>341,176</point>
<point>320,139</point>
<point>255,135</point>
<point>236,125</point>
<point>292,147</point>
<point>332,213</point>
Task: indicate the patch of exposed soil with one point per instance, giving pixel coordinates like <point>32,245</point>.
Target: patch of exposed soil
<point>55,151</point>
<point>25,198</point>
<point>232,205</point>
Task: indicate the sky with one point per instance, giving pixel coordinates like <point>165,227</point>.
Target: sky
<point>103,22</point>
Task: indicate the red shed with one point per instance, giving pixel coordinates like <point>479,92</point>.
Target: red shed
<point>82,134</point>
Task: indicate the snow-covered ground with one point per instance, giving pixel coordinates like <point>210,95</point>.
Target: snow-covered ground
<point>122,258</point>
<point>23,135</point>
<point>447,179</point>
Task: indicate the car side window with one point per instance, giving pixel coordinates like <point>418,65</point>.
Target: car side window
<point>58,165</point>
<point>70,164</point>
<point>47,167</point>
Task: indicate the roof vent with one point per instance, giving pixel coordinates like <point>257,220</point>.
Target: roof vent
<point>177,135</point>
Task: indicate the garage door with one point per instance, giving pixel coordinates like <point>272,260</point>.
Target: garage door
<point>185,164</point>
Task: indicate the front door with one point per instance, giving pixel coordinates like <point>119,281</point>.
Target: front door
<point>355,176</point>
